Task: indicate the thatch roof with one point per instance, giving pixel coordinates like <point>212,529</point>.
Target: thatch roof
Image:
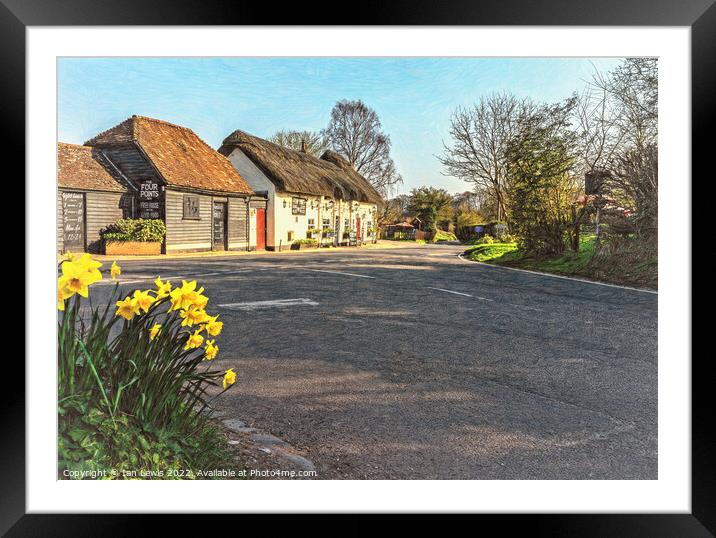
<point>177,153</point>
<point>295,171</point>
<point>85,168</point>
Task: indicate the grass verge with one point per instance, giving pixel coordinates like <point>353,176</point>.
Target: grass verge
<point>625,262</point>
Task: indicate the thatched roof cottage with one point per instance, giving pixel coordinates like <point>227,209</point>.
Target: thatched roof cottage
<point>312,197</point>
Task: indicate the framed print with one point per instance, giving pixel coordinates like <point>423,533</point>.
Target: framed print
<point>409,265</point>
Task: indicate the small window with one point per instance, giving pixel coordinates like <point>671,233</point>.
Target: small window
<point>191,207</point>
<point>311,223</point>
<point>290,236</point>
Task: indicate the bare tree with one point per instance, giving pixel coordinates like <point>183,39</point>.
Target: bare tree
<point>309,142</point>
<point>633,91</point>
<point>479,139</point>
<point>393,210</point>
<point>355,132</point>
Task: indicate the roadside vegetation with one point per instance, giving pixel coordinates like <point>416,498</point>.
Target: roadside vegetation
<point>133,379</point>
<point>626,262</point>
<point>544,173</point>
<point>441,235</point>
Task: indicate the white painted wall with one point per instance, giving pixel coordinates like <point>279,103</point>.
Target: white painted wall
<point>280,220</point>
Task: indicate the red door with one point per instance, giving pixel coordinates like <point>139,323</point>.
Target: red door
<point>260,229</point>
<point>357,228</point>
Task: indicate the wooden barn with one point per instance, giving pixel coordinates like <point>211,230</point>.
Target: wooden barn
<point>89,197</point>
<point>175,176</point>
<point>307,196</point>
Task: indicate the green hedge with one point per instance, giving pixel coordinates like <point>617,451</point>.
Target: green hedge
<point>144,230</point>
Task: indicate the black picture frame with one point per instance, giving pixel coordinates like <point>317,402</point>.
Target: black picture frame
<point>700,15</point>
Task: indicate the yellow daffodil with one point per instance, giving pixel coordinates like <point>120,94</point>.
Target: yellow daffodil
<point>127,308</point>
<point>214,327</point>
<point>163,288</point>
<point>75,278</point>
<point>192,316</point>
<point>60,300</point>
<point>184,297</point>
<point>144,300</point>
<point>211,350</point>
<point>194,341</point>
<point>91,266</point>
<point>229,378</point>
<point>115,270</point>
<point>155,330</point>
<point>200,301</point>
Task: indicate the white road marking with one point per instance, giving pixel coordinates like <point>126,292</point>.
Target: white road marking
<point>556,276</point>
<point>526,307</point>
<point>336,272</point>
<point>450,291</point>
<point>256,305</point>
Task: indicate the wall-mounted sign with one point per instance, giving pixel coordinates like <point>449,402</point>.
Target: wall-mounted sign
<point>150,200</point>
<point>298,206</point>
<point>73,221</point>
<point>191,207</point>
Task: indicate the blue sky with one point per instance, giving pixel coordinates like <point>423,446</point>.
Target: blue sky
<point>414,97</point>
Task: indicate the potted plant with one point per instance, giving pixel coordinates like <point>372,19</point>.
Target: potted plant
<point>133,237</point>
<point>327,235</point>
<point>311,232</point>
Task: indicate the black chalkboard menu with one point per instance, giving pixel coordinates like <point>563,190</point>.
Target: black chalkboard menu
<point>150,200</point>
<point>73,221</point>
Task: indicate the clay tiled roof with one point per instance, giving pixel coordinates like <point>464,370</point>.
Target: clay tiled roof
<point>295,171</point>
<point>178,154</point>
<point>82,167</point>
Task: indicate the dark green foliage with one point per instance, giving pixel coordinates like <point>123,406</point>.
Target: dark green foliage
<point>427,203</point>
<point>135,230</point>
<point>540,158</point>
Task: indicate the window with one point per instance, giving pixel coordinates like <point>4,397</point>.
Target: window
<point>311,223</point>
<point>347,224</point>
<point>191,207</point>
<point>290,236</point>
<point>298,206</point>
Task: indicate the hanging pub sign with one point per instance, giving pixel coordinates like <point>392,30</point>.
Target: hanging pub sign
<point>150,200</point>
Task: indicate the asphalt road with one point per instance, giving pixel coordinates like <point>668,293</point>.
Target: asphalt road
<point>412,363</point>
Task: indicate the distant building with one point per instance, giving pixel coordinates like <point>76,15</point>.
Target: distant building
<point>304,192</point>
<point>148,168</point>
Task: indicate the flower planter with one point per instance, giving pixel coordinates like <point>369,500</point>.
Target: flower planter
<point>132,248</point>
<point>299,246</point>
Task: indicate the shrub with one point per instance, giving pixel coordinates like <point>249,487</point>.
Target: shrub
<point>132,386</point>
<point>306,242</point>
<point>135,230</point>
<point>485,240</point>
<point>441,235</point>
